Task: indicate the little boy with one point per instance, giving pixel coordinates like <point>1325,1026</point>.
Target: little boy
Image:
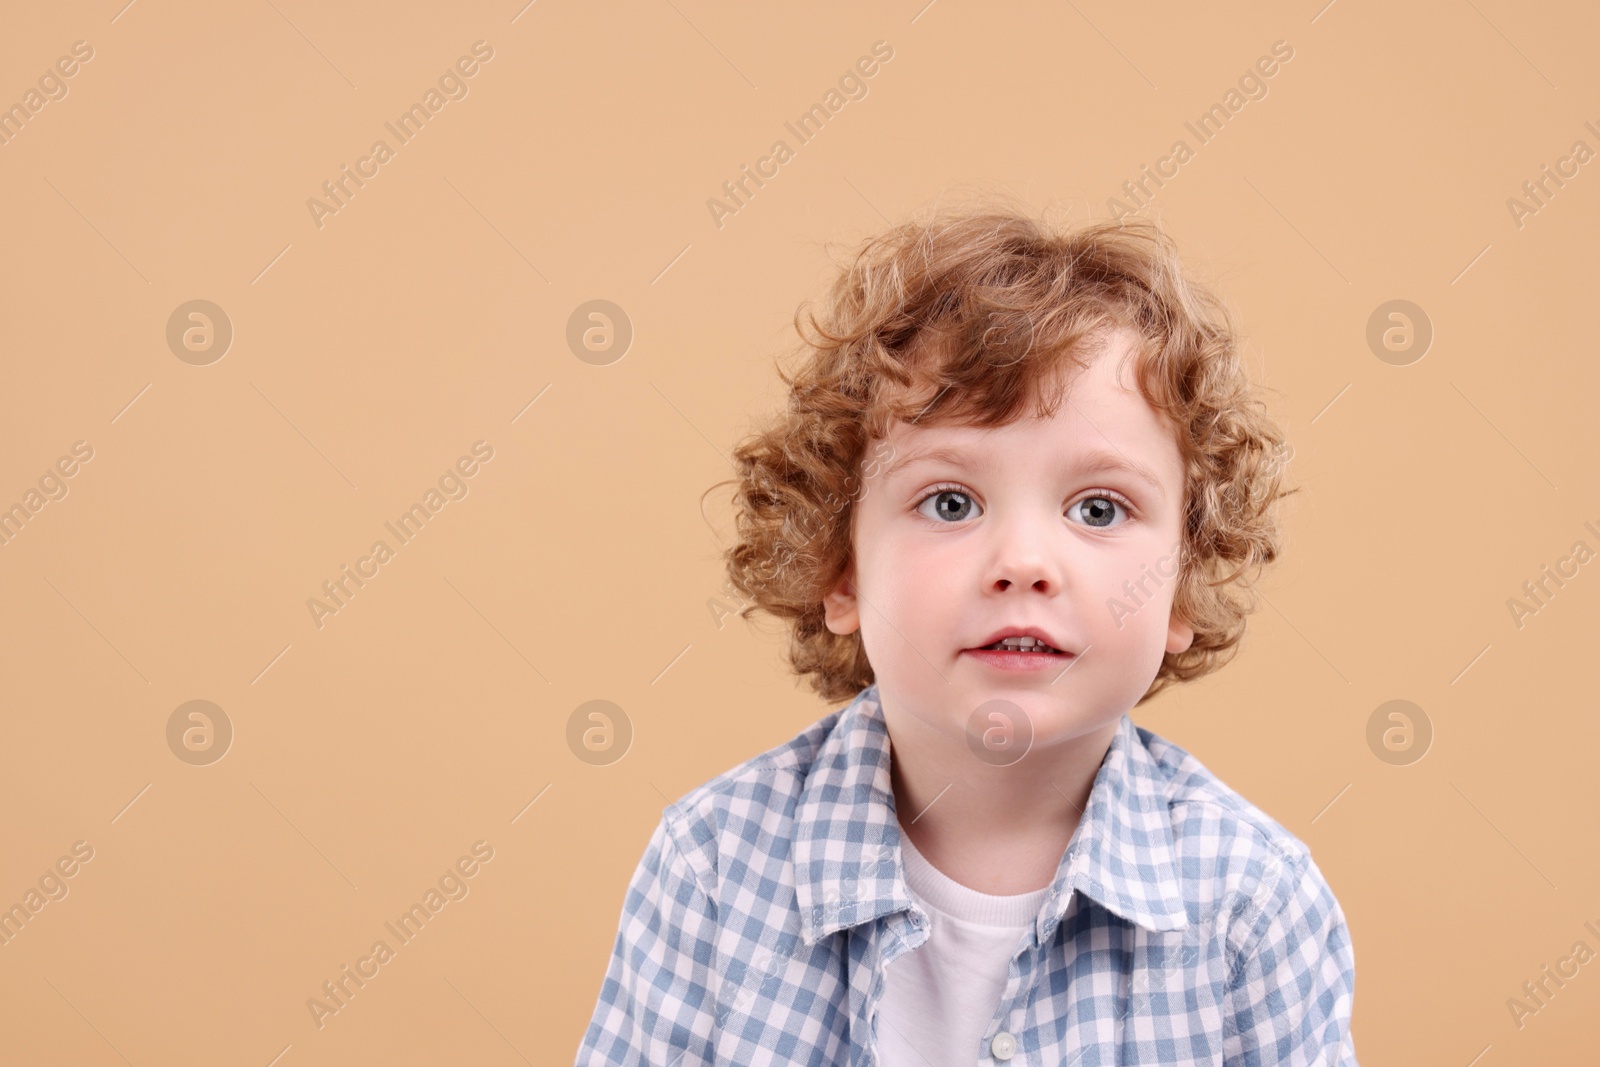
<point>1015,493</point>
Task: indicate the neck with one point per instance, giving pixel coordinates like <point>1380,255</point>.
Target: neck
<point>997,830</point>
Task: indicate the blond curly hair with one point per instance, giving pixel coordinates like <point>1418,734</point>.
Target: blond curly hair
<point>1011,299</point>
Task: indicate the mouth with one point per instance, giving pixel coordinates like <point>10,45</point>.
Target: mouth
<point>1027,646</point>
<point>1001,657</point>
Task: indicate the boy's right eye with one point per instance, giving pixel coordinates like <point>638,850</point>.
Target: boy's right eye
<point>950,504</point>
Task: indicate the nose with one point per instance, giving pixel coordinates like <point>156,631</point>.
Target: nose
<point>1026,553</point>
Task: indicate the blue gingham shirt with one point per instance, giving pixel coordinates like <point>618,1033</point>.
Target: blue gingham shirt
<point>1183,927</point>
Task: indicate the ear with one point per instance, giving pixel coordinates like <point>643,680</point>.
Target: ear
<point>840,606</point>
<point>1180,635</point>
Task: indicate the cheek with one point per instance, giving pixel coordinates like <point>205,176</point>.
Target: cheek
<point>905,595</point>
<point>911,596</point>
<point>1132,606</point>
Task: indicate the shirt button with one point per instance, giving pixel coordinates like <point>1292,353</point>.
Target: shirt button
<point>1003,1046</point>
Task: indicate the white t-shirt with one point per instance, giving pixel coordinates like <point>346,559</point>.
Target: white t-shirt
<point>940,997</point>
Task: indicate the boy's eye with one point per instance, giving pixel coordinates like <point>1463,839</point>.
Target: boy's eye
<point>1096,510</point>
<point>951,504</point>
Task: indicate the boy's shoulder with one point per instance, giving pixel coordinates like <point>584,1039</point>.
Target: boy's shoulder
<point>750,806</point>
<point>746,817</point>
<point>1204,806</point>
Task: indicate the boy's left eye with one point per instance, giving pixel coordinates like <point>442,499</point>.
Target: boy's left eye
<point>1097,510</point>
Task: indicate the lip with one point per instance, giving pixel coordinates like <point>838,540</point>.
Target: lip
<point>1021,662</point>
<point>1025,631</point>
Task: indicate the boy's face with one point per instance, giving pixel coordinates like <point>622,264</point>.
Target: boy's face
<point>1018,530</point>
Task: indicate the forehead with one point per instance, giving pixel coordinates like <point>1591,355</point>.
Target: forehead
<point>1101,424</point>
<point>1098,409</point>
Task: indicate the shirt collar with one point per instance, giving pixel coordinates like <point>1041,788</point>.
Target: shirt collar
<point>846,850</point>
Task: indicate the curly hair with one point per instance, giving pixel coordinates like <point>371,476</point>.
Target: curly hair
<point>1010,300</point>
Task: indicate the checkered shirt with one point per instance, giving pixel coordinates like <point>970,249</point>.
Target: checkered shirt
<point>1183,927</point>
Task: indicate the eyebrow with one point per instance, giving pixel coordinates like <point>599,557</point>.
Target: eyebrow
<point>1091,462</point>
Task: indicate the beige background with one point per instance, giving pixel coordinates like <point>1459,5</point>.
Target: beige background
<point>430,312</point>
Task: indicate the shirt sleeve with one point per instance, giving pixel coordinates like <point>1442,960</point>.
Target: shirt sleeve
<point>1290,999</point>
<point>657,1002</point>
